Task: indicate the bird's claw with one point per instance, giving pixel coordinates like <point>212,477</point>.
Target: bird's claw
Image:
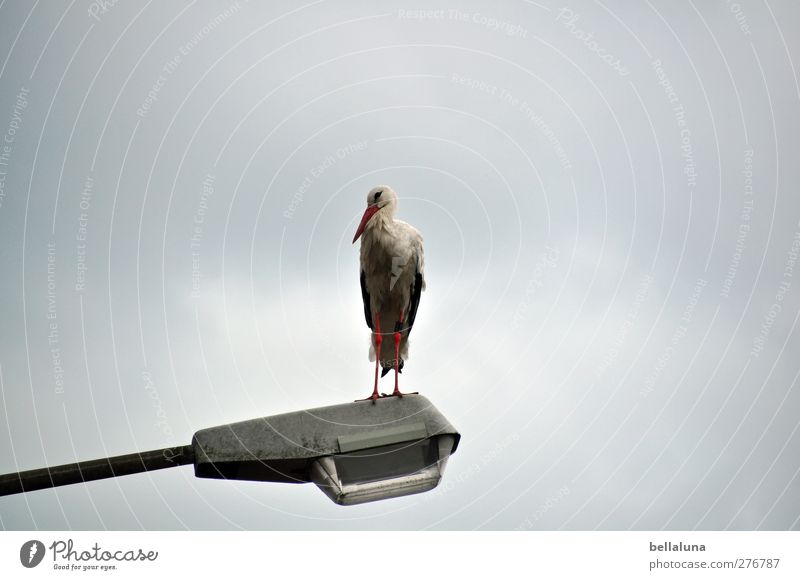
<point>399,394</point>
<point>373,397</point>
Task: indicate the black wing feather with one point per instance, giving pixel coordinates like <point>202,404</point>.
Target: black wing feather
<point>366,299</point>
<point>413,303</point>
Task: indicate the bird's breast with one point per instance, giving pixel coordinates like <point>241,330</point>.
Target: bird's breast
<point>385,261</point>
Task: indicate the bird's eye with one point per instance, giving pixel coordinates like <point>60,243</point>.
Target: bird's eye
<point>377,195</point>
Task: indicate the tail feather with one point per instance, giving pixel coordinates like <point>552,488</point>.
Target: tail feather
<point>388,366</point>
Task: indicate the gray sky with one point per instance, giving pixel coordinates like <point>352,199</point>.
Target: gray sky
<point>608,197</point>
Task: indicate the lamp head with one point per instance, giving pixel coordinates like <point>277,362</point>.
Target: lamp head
<point>355,453</point>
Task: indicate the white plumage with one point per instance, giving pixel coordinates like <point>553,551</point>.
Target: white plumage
<point>392,279</point>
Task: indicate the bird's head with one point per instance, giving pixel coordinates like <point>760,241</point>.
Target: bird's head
<point>381,199</point>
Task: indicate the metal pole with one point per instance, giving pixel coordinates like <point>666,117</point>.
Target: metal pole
<point>82,471</point>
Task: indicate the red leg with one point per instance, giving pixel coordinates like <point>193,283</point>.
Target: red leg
<point>397,339</point>
<point>378,340</point>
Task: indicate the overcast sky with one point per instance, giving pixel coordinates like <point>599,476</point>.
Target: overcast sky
<point>608,195</point>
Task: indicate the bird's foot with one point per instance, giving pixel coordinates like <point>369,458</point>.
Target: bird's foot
<point>373,397</point>
<point>397,393</point>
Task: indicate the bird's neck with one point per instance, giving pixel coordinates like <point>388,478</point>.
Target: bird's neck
<point>382,220</point>
<point>379,233</point>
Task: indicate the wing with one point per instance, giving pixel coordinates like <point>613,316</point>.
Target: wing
<point>366,299</point>
<point>419,280</point>
<point>413,303</point>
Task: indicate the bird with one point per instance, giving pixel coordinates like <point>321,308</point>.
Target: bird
<point>392,279</point>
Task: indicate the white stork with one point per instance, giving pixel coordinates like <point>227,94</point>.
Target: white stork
<point>392,279</point>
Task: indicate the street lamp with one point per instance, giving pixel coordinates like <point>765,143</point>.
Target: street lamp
<point>355,453</point>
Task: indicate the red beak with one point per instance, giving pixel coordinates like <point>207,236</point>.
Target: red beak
<point>371,210</point>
